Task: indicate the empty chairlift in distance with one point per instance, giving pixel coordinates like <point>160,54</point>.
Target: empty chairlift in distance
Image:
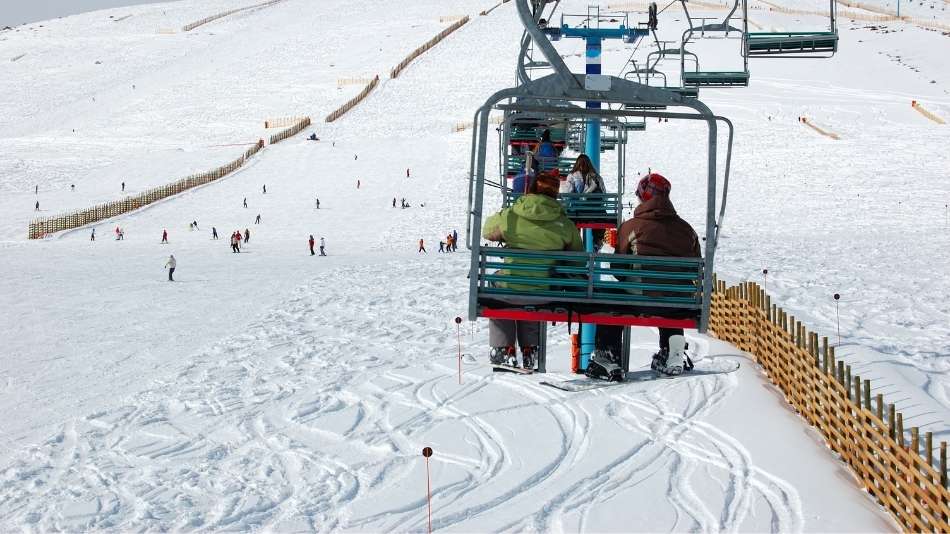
<point>814,44</point>
<point>724,29</point>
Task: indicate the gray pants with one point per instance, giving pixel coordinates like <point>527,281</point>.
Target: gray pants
<point>504,332</point>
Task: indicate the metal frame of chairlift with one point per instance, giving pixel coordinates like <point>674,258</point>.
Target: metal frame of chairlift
<point>700,78</point>
<point>815,44</point>
<point>548,96</point>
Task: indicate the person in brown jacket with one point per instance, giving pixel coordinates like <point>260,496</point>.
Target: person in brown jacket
<point>654,230</point>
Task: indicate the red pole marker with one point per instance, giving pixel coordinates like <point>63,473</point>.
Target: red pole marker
<point>427,452</point>
<point>458,327</point>
<point>837,317</point>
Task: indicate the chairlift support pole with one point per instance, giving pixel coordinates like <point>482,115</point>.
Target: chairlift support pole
<point>593,37</point>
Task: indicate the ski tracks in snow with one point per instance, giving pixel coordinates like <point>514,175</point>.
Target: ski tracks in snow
<point>313,419</point>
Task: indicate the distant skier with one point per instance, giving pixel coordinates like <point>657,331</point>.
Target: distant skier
<point>235,243</point>
<point>214,233</point>
<point>441,246</point>
<point>265,189</point>
<point>72,187</point>
<point>245,202</point>
<point>123,187</point>
<point>92,236</point>
<point>318,203</point>
<point>455,240</point>
<point>357,184</point>
<point>422,247</point>
<point>323,243</point>
<point>355,157</point>
<point>394,202</point>
<point>407,172</point>
<point>247,236</point>
<point>257,220</point>
<point>196,224</point>
<point>170,265</point>
<point>37,206</point>
<point>311,243</point>
<point>165,236</point>
<point>37,190</point>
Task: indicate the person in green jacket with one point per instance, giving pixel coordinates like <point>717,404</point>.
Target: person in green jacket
<point>536,221</point>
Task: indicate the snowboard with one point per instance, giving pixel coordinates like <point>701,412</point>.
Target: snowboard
<point>510,369</point>
<point>701,368</point>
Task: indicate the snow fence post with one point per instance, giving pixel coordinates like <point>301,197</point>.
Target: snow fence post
<point>458,328</point>
<point>426,453</point>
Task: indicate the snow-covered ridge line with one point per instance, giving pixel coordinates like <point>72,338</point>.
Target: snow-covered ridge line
<point>351,103</point>
<point>40,228</point>
<point>825,394</point>
<point>212,18</point>
<point>394,73</point>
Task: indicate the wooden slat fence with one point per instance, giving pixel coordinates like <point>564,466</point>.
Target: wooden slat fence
<point>297,127</point>
<point>40,228</point>
<point>869,437</point>
<point>394,73</point>
<point>212,18</point>
<point>494,7</point>
<point>340,111</point>
<point>920,109</point>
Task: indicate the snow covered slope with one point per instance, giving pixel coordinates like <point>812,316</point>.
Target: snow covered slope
<point>277,390</point>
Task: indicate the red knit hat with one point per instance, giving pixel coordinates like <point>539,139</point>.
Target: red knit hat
<point>651,185</point>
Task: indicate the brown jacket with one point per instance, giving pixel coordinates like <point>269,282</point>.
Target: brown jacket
<point>656,230</point>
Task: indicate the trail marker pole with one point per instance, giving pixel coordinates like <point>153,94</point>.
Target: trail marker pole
<point>838,318</point>
<point>765,273</point>
<point>427,452</point>
<point>458,327</point>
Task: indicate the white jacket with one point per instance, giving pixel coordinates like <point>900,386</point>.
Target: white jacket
<point>172,263</point>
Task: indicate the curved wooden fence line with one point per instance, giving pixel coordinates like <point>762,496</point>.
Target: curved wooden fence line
<point>212,18</point>
<point>494,7</point>
<point>394,73</point>
<point>40,228</point>
<point>920,109</point>
<point>869,437</point>
<point>282,122</point>
<point>289,132</point>
<point>340,111</point>
<point>885,15</point>
<point>821,131</point>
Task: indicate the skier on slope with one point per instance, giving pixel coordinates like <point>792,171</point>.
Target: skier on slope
<point>654,230</point>
<point>323,243</point>
<point>536,221</point>
<point>164,236</point>
<point>170,265</point>
<point>311,243</point>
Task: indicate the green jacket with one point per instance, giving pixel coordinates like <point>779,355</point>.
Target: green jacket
<point>533,222</point>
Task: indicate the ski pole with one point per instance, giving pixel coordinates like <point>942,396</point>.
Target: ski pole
<point>427,452</point>
<point>458,327</point>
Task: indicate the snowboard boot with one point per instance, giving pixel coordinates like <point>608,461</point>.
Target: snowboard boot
<point>501,355</point>
<point>676,361</point>
<point>529,355</point>
<point>604,365</point>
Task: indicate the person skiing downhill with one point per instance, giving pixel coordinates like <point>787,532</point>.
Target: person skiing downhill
<point>164,236</point>
<point>235,243</point>
<point>323,243</point>
<point>422,247</point>
<point>536,221</point>
<point>654,230</point>
<point>214,233</point>
<point>170,265</point>
<point>441,246</point>
<point>455,240</point>
<point>92,236</point>
<point>247,236</point>
<point>311,243</point>
<point>257,220</point>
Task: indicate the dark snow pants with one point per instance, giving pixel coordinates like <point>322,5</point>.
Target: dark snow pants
<point>505,333</point>
<point>171,271</point>
<point>610,337</point>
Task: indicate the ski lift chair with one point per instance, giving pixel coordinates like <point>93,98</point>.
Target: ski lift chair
<point>814,44</point>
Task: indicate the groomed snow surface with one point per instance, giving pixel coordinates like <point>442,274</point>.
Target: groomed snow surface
<point>277,391</point>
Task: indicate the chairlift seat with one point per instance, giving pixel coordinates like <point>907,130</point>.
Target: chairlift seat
<point>791,43</point>
<point>716,79</point>
<point>589,287</point>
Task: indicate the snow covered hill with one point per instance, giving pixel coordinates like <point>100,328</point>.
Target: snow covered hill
<point>275,390</point>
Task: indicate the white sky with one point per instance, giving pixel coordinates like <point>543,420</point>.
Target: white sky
<point>16,12</point>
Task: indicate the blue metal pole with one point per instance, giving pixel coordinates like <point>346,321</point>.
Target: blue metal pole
<point>592,149</point>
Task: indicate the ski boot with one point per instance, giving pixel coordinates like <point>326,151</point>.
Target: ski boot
<point>674,361</point>
<point>502,355</point>
<point>604,365</point>
<point>529,355</point>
